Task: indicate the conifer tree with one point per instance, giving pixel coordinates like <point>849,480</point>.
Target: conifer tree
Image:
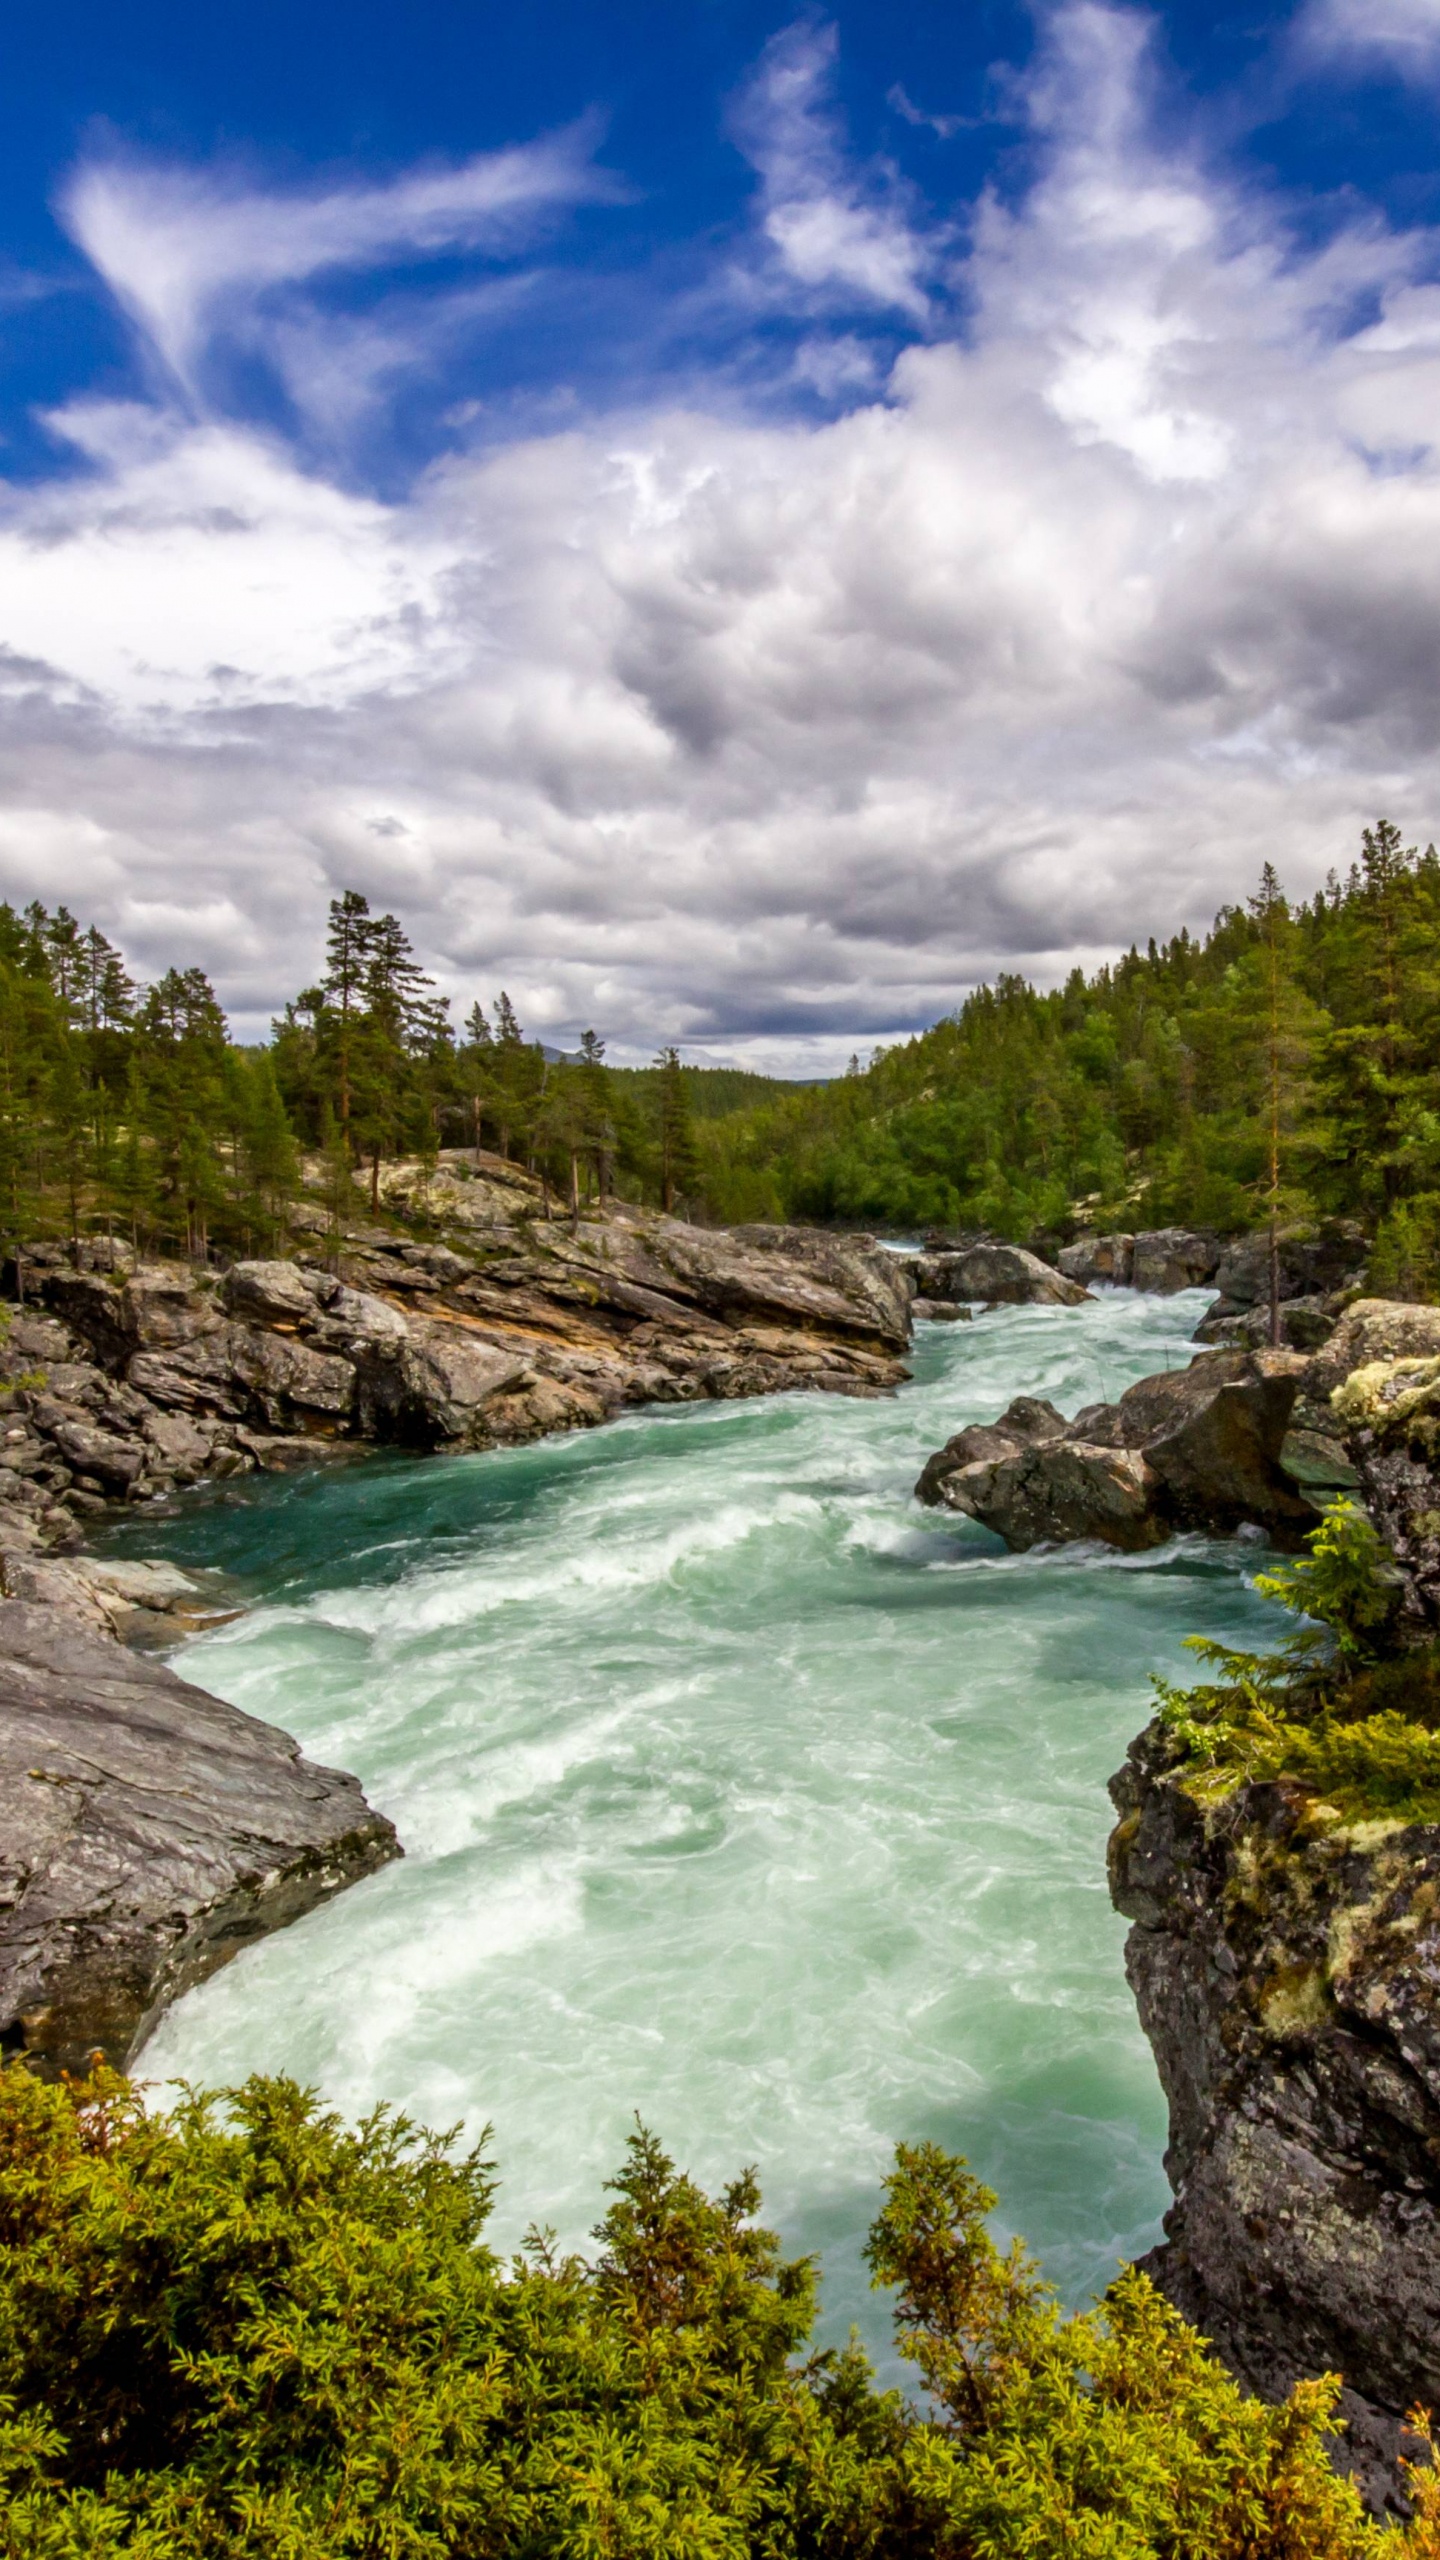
<point>679,1162</point>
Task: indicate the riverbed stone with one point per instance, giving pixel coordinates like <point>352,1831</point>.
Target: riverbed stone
<point>147,1832</point>
<point>997,1274</point>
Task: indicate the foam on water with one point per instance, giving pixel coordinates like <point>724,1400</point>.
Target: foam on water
<point>735,1790</point>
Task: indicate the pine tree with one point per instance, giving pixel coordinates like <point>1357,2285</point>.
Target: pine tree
<point>679,1161</point>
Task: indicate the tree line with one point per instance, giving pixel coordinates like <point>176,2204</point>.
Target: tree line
<point>131,1107</point>
<point>1283,1067</point>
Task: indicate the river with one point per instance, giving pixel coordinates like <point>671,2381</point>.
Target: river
<point>735,1790</point>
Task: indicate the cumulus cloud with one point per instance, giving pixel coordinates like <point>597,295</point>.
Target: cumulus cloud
<point>771,736</point>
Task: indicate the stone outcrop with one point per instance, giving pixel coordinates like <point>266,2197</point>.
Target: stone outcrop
<point>994,1275</point>
<point>1286,1965</point>
<point>1318,1274</point>
<point>1109,1259</point>
<point>147,1830</point>
<point>1167,1259</point>
<point>1197,1448</point>
<point>1162,1260</point>
<point>129,1379</point>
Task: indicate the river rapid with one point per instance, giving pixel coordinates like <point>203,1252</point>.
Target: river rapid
<point>735,1790</point>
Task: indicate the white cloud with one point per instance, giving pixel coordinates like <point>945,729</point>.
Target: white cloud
<point>1404,32</point>
<point>833,227</point>
<point>184,250</point>
<point>777,736</point>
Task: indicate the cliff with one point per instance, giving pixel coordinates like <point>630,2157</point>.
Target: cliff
<point>1286,1965</point>
<point>147,1830</point>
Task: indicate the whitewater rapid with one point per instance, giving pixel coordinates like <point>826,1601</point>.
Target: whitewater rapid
<point>735,1790</point>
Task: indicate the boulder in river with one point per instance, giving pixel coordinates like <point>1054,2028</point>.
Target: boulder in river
<point>1194,1448</point>
<point>1168,1259</point>
<point>147,1832</point>
<point>999,1275</point>
<point>1091,1258</point>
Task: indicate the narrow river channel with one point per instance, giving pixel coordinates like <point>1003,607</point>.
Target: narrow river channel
<point>735,1789</point>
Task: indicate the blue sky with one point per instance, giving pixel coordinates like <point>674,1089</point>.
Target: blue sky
<point>737,522</point>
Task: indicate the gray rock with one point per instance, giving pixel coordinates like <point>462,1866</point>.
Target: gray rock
<point>1000,1274</point>
<point>147,1832</point>
<point>118,1464</point>
<point>267,1293</point>
<point>163,1303</point>
<point>286,1378</point>
<point>1064,1489</point>
<point>1167,1259</point>
<point>432,1388</point>
<point>1195,1448</point>
<point>939,1311</point>
<point>1093,1258</point>
<point>1310,1266</point>
<point>1286,1974</point>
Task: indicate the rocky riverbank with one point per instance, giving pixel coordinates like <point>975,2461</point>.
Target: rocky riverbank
<point>1285,1952</point>
<point>129,1378</point>
<point>1286,1965</point>
<point>147,1831</point>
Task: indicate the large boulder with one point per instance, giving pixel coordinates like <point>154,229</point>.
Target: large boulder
<point>1285,1964</point>
<point>1000,1275</point>
<point>267,1293</point>
<point>1310,1266</point>
<point>431,1389</point>
<point>1106,1258</point>
<point>1165,1260</point>
<point>1061,1489</point>
<point>1195,1448</point>
<point>1374,1330</point>
<point>147,1833</point>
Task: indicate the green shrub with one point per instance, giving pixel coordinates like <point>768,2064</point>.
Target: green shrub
<point>1333,1710</point>
<point>244,2331</point>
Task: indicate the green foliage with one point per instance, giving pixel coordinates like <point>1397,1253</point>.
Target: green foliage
<point>1334,1710</point>
<point>244,2331</point>
<point>1286,1065</point>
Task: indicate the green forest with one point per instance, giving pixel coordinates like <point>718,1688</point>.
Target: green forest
<point>1162,1089</point>
<point>246,2331</point>
<point>1288,1061</point>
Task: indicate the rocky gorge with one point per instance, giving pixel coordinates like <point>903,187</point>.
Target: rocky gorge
<point>1280,1948</point>
<point>148,1830</point>
<point>1284,1950</point>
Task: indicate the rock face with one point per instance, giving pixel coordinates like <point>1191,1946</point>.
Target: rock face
<point>1286,1966</point>
<point>1167,1259</point>
<point>147,1832</point>
<point>1197,1448</point>
<point>1317,1274</point>
<point>128,1380</point>
<point>1001,1275</point>
<point>1091,1258</point>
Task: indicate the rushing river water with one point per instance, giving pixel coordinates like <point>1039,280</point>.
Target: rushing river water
<point>735,1790</point>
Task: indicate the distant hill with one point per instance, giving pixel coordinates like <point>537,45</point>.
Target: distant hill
<point>714,1092</point>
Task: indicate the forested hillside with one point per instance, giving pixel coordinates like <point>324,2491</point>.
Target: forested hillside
<point>132,1107</point>
<point>1294,1051</point>
<point>1290,1060</point>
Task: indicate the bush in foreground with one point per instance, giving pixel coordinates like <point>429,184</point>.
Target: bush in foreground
<point>249,2332</point>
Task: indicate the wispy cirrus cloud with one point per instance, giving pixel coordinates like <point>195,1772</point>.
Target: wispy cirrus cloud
<point>188,253</point>
<point>1403,33</point>
<point>835,228</point>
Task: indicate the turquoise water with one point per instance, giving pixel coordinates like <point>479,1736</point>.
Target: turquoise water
<point>735,1789</point>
